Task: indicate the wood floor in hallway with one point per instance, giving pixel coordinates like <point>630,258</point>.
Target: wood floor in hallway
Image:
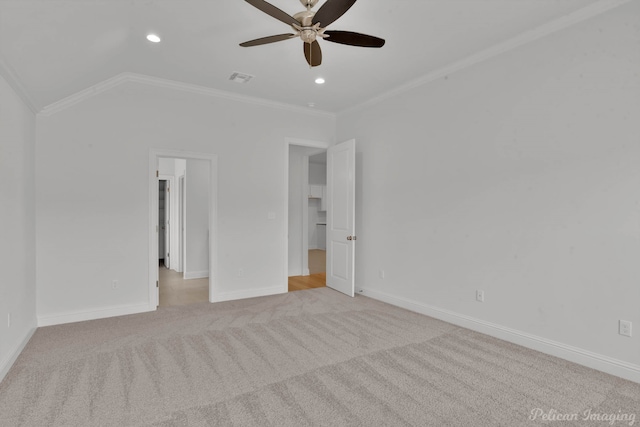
<point>300,283</point>
<point>318,276</point>
<point>174,290</point>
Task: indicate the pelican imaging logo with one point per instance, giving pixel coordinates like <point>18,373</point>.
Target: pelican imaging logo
<point>587,416</point>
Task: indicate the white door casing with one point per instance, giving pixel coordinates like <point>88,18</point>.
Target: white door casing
<point>167,223</point>
<point>164,228</point>
<point>154,156</point>
<point>315,147</point>
<point>181,215</point>
<point>341,239</point>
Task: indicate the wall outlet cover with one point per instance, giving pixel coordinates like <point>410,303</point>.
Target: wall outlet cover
<point>624,328</point>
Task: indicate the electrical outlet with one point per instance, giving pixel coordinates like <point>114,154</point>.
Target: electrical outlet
<point>480,295</point>
<point>240,272</point>
<point>381,274</point>
<point>114,284</point>
<point>624,328</point>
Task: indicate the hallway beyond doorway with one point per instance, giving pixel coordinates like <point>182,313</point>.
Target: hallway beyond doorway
<point>301,283</point>
<point>174,290</point>
<point>317,277</point>
<point>317,261</point>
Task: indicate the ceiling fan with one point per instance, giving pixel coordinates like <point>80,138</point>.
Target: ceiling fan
<point>310,25</point>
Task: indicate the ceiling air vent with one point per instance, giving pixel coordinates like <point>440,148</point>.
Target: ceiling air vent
<point>240,77</point>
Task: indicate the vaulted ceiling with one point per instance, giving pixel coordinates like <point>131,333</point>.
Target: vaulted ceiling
<point>53,49</point>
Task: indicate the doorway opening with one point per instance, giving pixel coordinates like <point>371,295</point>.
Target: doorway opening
<point>306,256</point>
<point>182,265</point>
<point>340,224</point>
<point>163,221</point>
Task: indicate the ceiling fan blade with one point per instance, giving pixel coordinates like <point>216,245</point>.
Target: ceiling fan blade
<point>354,39</point>
<point>313,53</point>
<point>271,10</point>
<point>331,10</point>
<point>266,40</point>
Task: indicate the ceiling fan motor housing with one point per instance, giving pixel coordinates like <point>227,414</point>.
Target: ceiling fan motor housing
<point>305,18</point>
<point>308,33</point>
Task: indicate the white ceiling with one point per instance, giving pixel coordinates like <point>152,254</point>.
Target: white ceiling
<point>56,48</point>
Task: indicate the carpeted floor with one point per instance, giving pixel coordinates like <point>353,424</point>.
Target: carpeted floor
<point>305,358</point>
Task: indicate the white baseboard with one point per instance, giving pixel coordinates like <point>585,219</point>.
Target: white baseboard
<point>577,355</point>
<point>196,275</point>
<point>81,316</point>
<point>250,293</point>
<point>8,361</point>
<point>299,272</point>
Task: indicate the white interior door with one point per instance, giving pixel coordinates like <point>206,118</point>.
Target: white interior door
<point>341,166</point>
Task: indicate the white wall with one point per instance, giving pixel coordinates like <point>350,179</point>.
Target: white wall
<point>94,222</point>
<point>177,238</point>
<point>314,216</point>
<point>167,166</point>
<point>174,168</point>
<point>298,162</point>
<point>317,235</point>
<point>317,173</point>
<point>519,176</point>
<point>197,219</point>
<point>180,167</point>
<point>17,214</point>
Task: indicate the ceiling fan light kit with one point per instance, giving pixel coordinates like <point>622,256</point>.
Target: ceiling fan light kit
<point>310,26</point>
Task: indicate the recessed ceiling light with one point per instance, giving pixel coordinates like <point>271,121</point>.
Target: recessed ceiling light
<point>153,38</point>
<point>320,80</point>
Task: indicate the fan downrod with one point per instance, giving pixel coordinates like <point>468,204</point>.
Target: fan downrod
<point>307,31</point>
<point>309,3</point>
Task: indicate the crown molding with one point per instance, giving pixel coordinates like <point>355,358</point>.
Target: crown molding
<point>566,21</point>
<point>544,30</point>
<point>12,79</point>
<point>83,95</point>
<point>172,85</point>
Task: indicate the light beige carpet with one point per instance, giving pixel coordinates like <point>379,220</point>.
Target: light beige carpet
<point>304,358</point>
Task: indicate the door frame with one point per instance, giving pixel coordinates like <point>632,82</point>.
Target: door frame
<point>181,223</point>
<point>168,206</point>
<point>288,142</point>
<point>154,156</point>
